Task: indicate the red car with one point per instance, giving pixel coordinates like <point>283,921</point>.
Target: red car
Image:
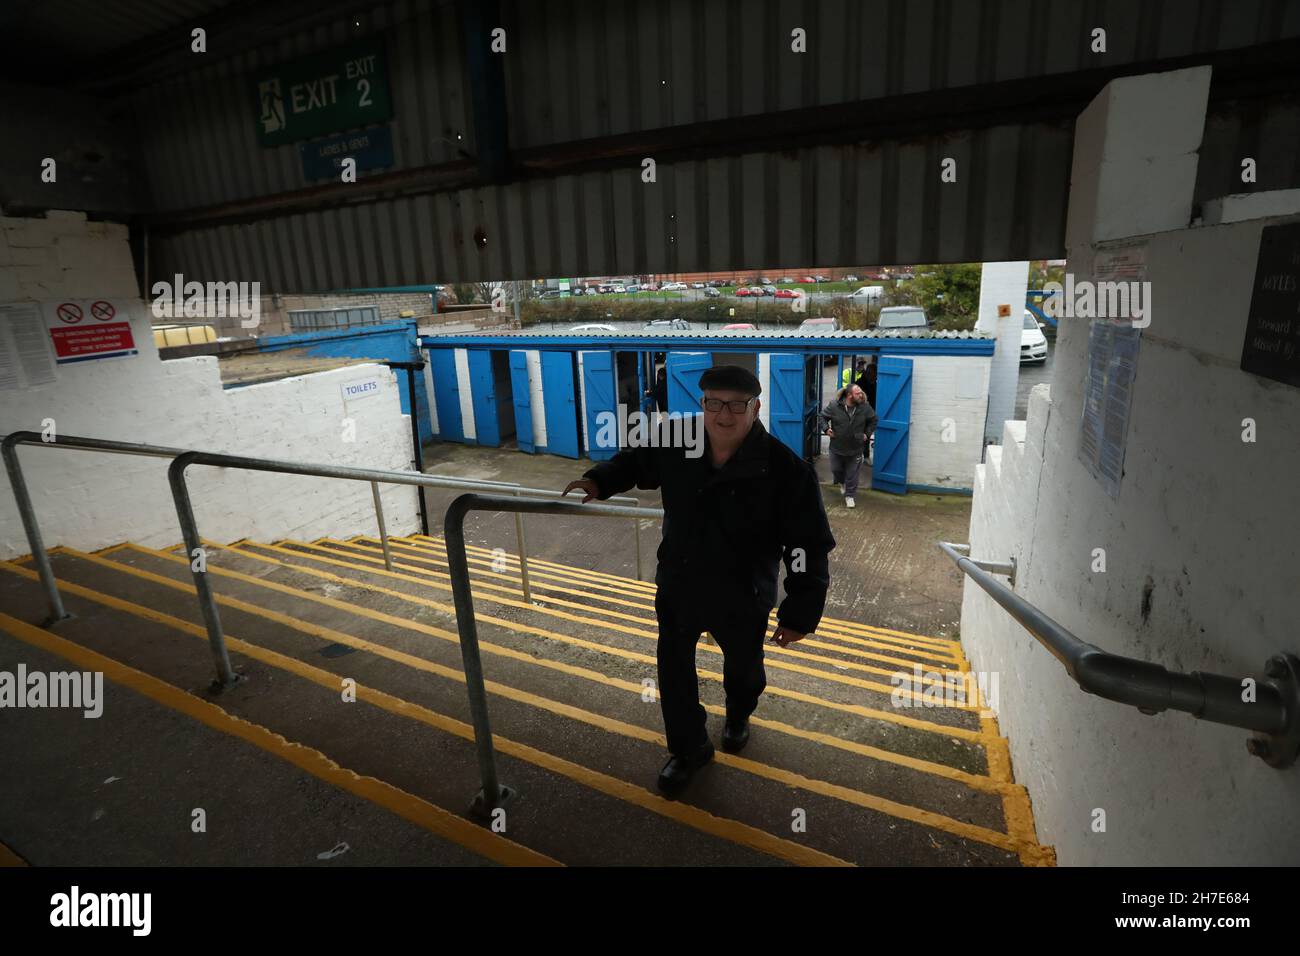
<point>808,279</point>
<point>789,293</point>
<point>743,292</point>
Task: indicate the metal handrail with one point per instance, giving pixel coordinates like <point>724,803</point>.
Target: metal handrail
<point>189,528</point>
<point>493,794</point>
<point>1272,711</point>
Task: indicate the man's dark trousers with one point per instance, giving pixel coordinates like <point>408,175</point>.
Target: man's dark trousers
<point>739,631</point>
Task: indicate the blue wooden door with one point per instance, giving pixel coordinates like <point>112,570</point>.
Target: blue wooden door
<point>785,400</point>
<point>894,406</point>
<point>483,395</point>
<point>684,392</point>
<point>561,404</point>
<point>600,396</point>
<point>522,399</point>
<point>446,394</point>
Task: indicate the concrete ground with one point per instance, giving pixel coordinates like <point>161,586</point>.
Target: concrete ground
<point>886,569</point>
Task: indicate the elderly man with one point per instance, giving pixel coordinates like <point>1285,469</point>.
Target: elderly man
<point>731,516</point>
<point>851,421</point>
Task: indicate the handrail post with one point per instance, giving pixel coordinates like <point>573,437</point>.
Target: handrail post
<point>492,794</point>
<point>523,555</point>
<point>27,512</point>
<point>383,526</point>
<point>226,675</point>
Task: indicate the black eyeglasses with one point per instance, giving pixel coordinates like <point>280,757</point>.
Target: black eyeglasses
<point>737,406</point>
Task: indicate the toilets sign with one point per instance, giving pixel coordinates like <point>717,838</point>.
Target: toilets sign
<point>340,89</point>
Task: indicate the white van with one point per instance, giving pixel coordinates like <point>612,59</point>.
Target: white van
<point>869,293</point>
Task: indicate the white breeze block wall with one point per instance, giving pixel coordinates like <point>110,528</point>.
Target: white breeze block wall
<point>949,392</point>
<point>91,500</point>
<point>1204,524</point>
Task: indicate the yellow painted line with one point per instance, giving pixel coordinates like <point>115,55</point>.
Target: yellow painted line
<point>375,567</point>
<point>608,724</point>
<point>374,546</point>
<point>961,733</point>
<point>828,626</point>
<point>721,827</point>
<point>9,858</point>
<point>944,643</point>
<point>974,781</point>
<point>420,812</point>
<point>111,550</point>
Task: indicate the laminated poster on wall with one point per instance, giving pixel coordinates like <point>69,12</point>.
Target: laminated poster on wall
<point>26,350</point>
<point>1107,400</point>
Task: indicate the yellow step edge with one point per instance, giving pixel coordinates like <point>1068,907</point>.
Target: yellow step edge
<point>944,642</point>
<point>375,547</point>
<point>723,828</point>
<point>608,724</point>
<point>960,733</point>
<point>436,820</point>
<point>375,567</point>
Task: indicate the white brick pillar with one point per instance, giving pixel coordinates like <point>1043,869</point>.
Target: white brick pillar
<point>1135,154</point>
<point>1002,284</point>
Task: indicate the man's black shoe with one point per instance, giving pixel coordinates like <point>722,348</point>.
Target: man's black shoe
<point>677,771</point>
<point>735,734</point>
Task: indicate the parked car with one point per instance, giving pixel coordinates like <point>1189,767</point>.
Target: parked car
<point>821,278</point>
<point>668,324</point>
<point>744,292</point>
<point>868,293</point>
<point>1033,344</point>
<point>769,289</point>
<point>650,287</point>
<point>818,326</point>
<point>550,294</point>
<point>785,280</point>
<point>764,280</point>
<point>632,288</point>
<point>617,289</point>
<point>903,317</point>
<point>850,278</point>
<point>740,327</point>
<point>808,279</point>
<point>673,287</point>
<point>789,293</point>
<point>592,327</point>
<point>717,283</point>
<point>712,293</point>
<point>697,285</point>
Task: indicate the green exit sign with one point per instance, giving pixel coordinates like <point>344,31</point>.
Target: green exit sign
<point>324,93</point>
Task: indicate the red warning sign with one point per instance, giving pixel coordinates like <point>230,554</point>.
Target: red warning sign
<point>75,341</point>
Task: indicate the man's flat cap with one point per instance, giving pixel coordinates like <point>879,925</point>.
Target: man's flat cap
<point>730,378</point>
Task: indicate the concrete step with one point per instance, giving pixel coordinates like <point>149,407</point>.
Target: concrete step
<point>876,784</point>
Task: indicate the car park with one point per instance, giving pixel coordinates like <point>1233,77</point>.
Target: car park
<point>1033,344</point>
<point>903,317</point>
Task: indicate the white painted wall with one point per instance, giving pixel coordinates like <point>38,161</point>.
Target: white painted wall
<point>464,394</point>
<point>537,399</point>
<point>1203,522</point>
<point>765,380</point>
<point>947,388</point>
<point>91,501</point>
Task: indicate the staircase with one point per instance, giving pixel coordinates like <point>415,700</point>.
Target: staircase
<point>350,742</point>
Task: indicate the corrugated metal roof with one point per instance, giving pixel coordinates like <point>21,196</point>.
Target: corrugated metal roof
<point>573,72</point>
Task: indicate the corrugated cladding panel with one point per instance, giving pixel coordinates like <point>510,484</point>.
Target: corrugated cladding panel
<point>576,69</point>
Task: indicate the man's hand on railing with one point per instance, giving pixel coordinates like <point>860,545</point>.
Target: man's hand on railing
<point>587,485</point>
